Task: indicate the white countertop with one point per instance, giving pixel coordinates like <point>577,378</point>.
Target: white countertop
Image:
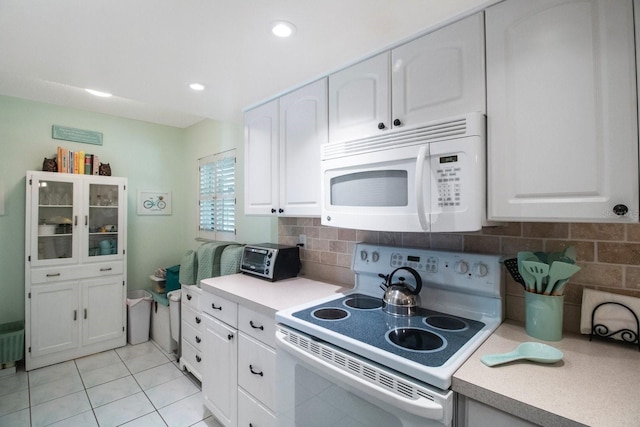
<point>268,297</point>
<point>596,383</point>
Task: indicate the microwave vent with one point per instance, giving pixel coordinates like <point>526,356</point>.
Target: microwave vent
<point>458,127</point>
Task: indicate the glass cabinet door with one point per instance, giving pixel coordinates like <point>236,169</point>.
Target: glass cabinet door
<point>104,220</point>
<point>53,211</point>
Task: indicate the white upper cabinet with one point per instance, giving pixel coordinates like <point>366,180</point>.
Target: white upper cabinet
<point>439,75</point>
<point>435,76</point>
<point>562,113</point>
<point>303,129</point>
<point>261,159</point>
<point>282,152</point>
<point>359,99</point>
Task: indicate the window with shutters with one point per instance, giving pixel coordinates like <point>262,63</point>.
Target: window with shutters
<point>217,196</point>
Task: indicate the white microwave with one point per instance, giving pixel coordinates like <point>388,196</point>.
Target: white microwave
<point>430,178</point>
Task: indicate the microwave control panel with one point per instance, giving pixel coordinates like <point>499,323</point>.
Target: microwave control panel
<point>447,171</point>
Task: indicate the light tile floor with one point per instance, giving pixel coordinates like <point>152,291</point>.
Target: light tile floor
<point>134,386</point>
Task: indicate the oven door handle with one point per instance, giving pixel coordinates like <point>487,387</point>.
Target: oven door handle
<point>422,407</point>
<point>423,154</point>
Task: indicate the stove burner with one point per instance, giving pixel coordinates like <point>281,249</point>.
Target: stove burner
<point>330,313</point>
<point>446,323</point>
<point>363,302</point>
<point>416,339</point>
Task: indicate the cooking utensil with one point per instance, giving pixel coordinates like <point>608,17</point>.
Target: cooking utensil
<point>542,256</point>
<point>571,253</point>
<point>538,270</point>
<point>534,351</point>
<point>529,280</point>
<point>512,267</point>
<point>558,289</point>
<point>399,299</point>
<point>559,271</point>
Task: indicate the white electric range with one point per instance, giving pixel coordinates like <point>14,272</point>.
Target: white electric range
<point>398,367</point>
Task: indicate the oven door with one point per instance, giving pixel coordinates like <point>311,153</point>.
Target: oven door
<point>320,385</point>
<point>383,190</point>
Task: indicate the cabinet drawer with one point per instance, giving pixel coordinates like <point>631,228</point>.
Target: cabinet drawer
<point>220,308</point>
<point>59,274</point>
<point>257,369</point>
<point>192,335</point>
<point>257,325</point>
<point>191,297</point>
<point>192,359</point>
<point>252,413</point>
<point>192,317</point>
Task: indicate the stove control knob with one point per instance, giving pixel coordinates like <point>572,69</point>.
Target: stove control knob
<point>481,270</point>
<point>375,256</point>
<point>462,267</point>
<point>364,255</point>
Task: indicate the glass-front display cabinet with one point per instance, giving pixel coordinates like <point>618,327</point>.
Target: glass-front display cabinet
<point>75,218</point>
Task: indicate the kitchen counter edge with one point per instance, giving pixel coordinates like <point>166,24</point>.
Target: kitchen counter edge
<point>269,297</point>
<point>594,384</point>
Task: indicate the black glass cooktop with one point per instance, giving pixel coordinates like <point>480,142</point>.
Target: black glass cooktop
<point>429,338</point>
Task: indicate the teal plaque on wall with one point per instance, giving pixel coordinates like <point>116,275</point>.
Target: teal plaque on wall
<point>77,135</point>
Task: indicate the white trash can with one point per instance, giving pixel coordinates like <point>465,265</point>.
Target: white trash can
<point>138,316</point>
<point>174,313</point>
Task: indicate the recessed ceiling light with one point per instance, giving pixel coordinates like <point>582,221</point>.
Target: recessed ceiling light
<point>196,86</point>
<point>283,28</point>
<point>98,93</point>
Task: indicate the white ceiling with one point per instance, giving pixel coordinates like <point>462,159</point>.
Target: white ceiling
<point>146,52</point>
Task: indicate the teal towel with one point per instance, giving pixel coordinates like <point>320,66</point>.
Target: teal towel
<point>230,259</point>
<point>188,268</point>
<point>209,260</point>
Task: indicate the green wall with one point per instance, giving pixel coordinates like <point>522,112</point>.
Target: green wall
<point>152,157</point>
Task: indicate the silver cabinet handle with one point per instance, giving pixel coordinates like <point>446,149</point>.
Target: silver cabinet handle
<point>229,337</point>
<point>106,269</point>
<point>86,220</point>
<point>198,358</point>
<point>198,320</point>
<point>53,274</point>
<point>189,297</point>
<point>198,339</point>
<point>85,313</point>
<point>75,315</point>
<point>216,308</point>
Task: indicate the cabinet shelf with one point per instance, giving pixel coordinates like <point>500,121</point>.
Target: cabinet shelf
<point>103,207</point>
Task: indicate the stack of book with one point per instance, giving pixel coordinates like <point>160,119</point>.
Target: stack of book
<point>77,162</point>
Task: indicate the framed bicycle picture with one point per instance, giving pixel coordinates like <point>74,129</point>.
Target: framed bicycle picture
<point>154,202</point>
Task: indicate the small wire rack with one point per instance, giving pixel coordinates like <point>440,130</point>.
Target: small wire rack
<point>601,330</point>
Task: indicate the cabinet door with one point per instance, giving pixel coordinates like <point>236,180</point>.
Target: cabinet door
<point>103,220</point>
<point>103,310</point>
<point>55,318</point>
<point>439,75</point>
<point>52,218</point>
<point>261,160</point>
<point>220,371</point>
<point>359,103</point>
<point>303,129</point>
<point>562,114</point>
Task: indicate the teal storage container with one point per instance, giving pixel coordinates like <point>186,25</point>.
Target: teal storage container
<point>172,283</point>
<point>11,343</point>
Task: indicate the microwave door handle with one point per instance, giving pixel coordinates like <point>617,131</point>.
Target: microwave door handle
<point>422,214</point>
<point>421,406</point>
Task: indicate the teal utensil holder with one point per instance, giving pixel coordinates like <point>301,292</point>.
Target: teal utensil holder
<point>543,316</point>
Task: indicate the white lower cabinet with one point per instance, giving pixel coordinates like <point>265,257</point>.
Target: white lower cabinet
<point>192,331</point>
<point>239,358</point>
<point>220,358</point>
<point>74,318</point>
<point>253,413</point>
<point>471,413</point>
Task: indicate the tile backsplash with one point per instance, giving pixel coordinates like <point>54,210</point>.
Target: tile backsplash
<point>609,254</point>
